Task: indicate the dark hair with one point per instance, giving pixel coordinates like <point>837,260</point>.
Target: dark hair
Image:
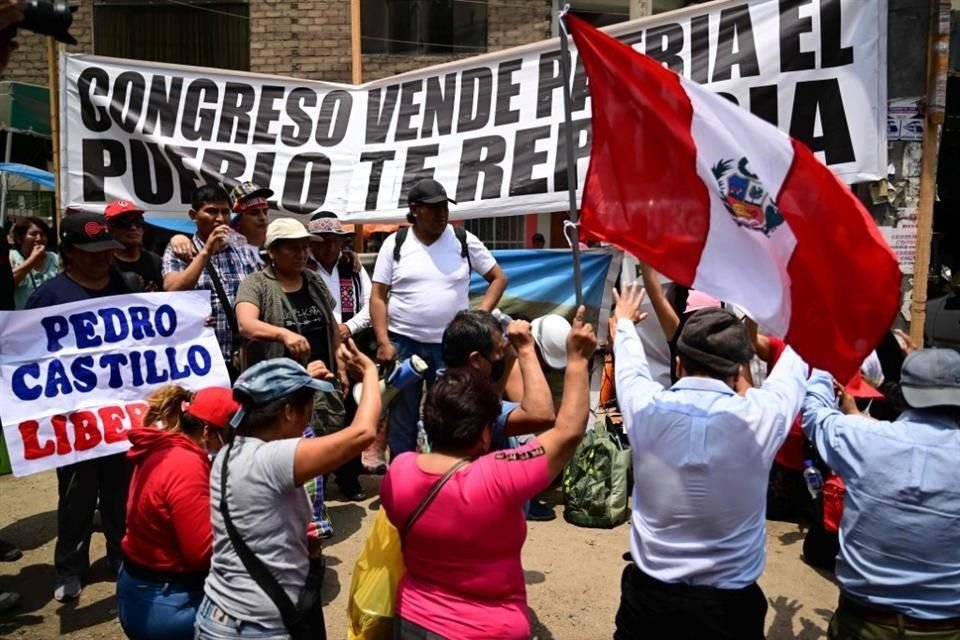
<point>693,367</point>
<point>459,406</point>
<point>23,226</point>
<point>324,214</point>
<point>469,331</point>
<point>256,417</point>
<point>539,236</point>
<point>210,192</point>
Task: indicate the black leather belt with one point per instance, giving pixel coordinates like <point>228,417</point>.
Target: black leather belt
<point>891,618</point>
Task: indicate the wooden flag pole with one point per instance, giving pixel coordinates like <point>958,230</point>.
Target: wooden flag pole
<point>937,50</point>
<point>356,67</point>
<point>53,82</point>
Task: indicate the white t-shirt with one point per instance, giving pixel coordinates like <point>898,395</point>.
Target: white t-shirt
<point>430,284</point>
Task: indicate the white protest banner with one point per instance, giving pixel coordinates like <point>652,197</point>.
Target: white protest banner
<point>73,377</point>
<point>490,128</point>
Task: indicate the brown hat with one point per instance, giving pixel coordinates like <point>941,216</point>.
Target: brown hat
<point>716,339</point>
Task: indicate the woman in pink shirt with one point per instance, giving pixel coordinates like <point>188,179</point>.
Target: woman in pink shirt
<point>464,577</point>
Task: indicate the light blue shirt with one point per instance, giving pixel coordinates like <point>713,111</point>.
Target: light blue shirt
<point>701,462</point>
<point>900,533</point>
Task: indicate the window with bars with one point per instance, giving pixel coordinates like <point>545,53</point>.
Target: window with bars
<point>499,233</point>
<point>424,26</point>
<point>206,33</point>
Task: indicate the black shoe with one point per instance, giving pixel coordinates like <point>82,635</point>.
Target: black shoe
<point>352,491</point>
<point>9,552</point>
<point>540,512</point>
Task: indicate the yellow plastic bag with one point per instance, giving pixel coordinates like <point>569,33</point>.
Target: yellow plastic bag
<point>374,585</point>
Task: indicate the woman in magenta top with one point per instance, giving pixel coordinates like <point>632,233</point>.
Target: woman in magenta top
<point>464,578</point>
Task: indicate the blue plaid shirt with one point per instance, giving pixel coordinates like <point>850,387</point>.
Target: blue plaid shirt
<point>232,265</point>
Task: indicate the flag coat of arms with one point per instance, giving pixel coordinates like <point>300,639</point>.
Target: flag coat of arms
<point>719,200</point>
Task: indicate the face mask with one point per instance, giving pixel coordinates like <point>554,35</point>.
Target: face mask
<point>497,368</point>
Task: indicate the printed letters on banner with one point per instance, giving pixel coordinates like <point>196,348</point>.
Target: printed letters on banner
<point>490,128</point>
<point>73,377</point>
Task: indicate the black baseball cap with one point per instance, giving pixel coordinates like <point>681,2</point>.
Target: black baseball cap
<point>428,191</point>
<point>88,232</point>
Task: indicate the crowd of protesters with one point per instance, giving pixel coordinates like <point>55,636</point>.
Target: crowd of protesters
<point>214,519</point>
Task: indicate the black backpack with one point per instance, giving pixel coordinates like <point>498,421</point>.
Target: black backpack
<point>460,232</point>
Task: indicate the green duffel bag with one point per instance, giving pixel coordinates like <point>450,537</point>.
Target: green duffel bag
<point>595,480</point>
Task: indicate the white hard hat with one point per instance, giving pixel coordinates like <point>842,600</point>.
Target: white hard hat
<point>550,333</point>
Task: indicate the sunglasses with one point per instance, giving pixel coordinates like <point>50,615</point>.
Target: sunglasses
<point>127,222</point>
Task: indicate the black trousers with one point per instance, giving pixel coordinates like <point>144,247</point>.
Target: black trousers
<point>654,610</point>
<point>81,487</point>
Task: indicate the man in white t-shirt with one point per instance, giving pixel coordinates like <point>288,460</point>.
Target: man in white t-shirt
<point>426,270</point>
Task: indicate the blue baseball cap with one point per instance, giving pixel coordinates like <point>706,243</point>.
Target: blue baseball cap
<point>273,379</point>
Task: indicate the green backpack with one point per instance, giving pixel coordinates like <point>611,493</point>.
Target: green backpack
<point>595,480</point>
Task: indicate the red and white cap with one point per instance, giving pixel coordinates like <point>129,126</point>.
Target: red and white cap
<point>119,208</point>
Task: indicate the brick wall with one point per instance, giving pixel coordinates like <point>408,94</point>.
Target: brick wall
<point>305,38</point>
<point>508,25</point>
<point>29,62</point>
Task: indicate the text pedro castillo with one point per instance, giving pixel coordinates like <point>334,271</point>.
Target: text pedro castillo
<point>127,368</point>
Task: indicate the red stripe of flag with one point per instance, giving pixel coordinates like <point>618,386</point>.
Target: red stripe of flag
<point>844,279</point>
<point>642,192</point>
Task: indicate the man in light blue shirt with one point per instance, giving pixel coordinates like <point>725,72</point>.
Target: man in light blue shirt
<point>899,562</point>
<point>701,459</point>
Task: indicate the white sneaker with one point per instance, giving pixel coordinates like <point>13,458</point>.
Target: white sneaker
<point>67,589</point>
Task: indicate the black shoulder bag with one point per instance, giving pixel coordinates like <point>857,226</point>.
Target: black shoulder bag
<point>235,365</point>
<point>304,620</point>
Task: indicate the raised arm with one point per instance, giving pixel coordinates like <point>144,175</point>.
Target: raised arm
<point>666,315</point>
<point>317,456</point>
<point>635,384</point>
<point>561,441</point>
<point>535,412</point>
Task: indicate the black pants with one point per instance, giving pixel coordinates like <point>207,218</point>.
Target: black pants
<point>406,630</point>
<point>82,486</point>
<point>653,609</point>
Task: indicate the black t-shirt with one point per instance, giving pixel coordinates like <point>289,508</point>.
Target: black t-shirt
<point>148,267</point>
<point>313,324</point>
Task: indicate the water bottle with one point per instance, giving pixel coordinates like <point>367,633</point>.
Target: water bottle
<point>423,443</point>
<point>404,374</point>
<point>813,479</point>
<point>502,318</point>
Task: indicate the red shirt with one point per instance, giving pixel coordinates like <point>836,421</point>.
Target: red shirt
<point>168,507</point>
<point>793,451</point>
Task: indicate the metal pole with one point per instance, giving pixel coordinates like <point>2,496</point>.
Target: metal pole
<point>8,151</point>
<point>565,68</point>
<point>937,50</point>
<point>356,68</point>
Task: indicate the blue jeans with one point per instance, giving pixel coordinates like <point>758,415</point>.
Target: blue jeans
<point>405,408</point>
<point>157,610</point>
<point>213,623</point>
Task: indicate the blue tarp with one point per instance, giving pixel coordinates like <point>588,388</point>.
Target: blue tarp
<point>179,225</point>
<point>27,172</point>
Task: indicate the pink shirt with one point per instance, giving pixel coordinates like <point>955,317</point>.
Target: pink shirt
<point>464,578</point>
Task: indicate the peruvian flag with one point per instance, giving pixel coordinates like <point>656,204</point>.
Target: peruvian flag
<point>719,200</point>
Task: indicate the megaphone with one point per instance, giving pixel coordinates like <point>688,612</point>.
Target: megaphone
<point>403,375</point>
